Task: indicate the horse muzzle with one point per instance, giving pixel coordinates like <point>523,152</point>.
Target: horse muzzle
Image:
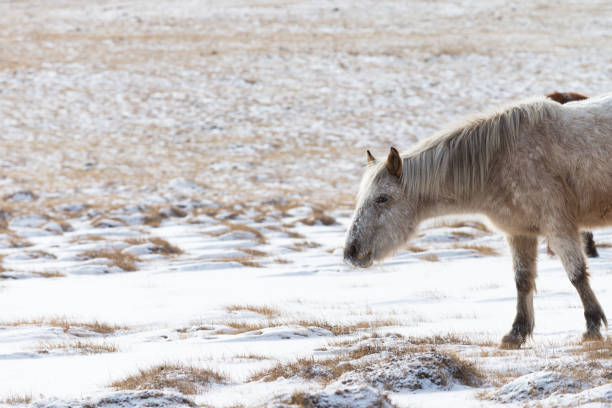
<point>353,256</point>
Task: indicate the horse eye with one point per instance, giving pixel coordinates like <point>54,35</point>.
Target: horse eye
<point>381,199</point>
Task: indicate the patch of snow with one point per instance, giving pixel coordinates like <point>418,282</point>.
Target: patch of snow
<point>536,385</point>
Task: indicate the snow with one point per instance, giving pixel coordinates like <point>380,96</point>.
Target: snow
<point>236,131</point>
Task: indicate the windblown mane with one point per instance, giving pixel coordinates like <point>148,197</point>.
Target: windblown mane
<point>460,157</point>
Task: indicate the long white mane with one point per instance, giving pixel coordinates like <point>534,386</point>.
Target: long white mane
<point>459,157</point>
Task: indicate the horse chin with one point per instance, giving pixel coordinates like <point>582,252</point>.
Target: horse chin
<point>366,263</point>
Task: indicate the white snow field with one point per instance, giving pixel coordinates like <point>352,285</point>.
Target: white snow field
<point>176,179</point>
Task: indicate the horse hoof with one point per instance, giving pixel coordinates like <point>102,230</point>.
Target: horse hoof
<point>592,336</point>
<point>511,342</point>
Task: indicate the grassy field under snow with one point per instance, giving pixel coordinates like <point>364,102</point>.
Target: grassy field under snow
<point>176,179</point>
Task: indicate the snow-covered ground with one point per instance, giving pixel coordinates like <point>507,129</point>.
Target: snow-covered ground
<point>177,178</point>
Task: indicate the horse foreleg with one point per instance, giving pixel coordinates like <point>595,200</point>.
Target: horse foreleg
<point>524,255</point>
<point>568,247</point>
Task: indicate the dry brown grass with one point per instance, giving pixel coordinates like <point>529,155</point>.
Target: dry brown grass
<point>267,311</point>
<point>318,215</point>
<point>17,399</point>
<point>349,360</point>
<point>67,325</point>
<point>481,249</point>
<point>450,338</point>
<point>156,214</point>
<point>123,260</point>
<point>85,238</point>
<point>80,346</point>
<point>243,260</point>
<point>339,329</point>
<point>41,254</point>
<point>257,357</point>
<point>161,246</point>
<point>184,379</point>
<point>466,371</point>
<point>598,350</point>
<point>257,235</point>
<point>417,249</point>
<point>241,326</point>
<point>164,247</point>
<point>467,224</point>
<point>253,252</point>
<point>429,257</point>
<point>153,218</point>
<point>304,368</point>
<point>50,274</point>
<point>16,241</point>
<point>285,230</point>
<point>462,234</point>
<point>300,246</point>
<point>99,222</point>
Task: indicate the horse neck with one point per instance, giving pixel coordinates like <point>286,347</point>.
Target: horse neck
<point>450,204</point>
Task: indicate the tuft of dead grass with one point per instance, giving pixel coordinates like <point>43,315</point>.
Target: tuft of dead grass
<point>243,260</point>
<point>318,216</point>
<point>429,257</point>
<point>253,252</point>
<point>467,224</point>
<point>82,347</point>
<point>481,249</point>
<point>41,254</point>
<point>307,368</point>
<point>465,371</point>
<point>182,378</point>
<point>598,350</point>
<point>85,238</point>
<point>449,338</point>
<point>67,325</point>
<point>160,246</point>
<point>14,399</point>
<point>417,249</point>
<point>267,311</point>
<point>53,274</point>
<point>257,235</point>
<point>339,329</point>
<point>164,247</point>
<point>243,326</point>
<point>16,241</point>
<point>123,260</point>
<point>300,246</point>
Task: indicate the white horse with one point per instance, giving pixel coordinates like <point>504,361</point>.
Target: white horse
<point>533,168</point>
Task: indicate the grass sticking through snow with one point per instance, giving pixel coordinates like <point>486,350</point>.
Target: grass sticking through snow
<point>182,378</point>
<point>67,325</point>
<point>123,260</point>
<point>82,347</point>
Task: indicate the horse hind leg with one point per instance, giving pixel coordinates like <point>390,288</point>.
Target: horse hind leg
<point>524,256</point>
<point>568,247</point>
<point>589,244</point>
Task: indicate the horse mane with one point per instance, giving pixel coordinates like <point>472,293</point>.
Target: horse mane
<point>459,158</point>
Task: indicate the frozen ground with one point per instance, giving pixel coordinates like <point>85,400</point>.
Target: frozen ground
<point>177,178</point>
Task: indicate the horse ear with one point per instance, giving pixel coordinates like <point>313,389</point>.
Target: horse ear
<point>371,158</point>
<point>394,163</point>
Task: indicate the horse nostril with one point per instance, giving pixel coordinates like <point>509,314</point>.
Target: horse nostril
<point>353,251</point>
